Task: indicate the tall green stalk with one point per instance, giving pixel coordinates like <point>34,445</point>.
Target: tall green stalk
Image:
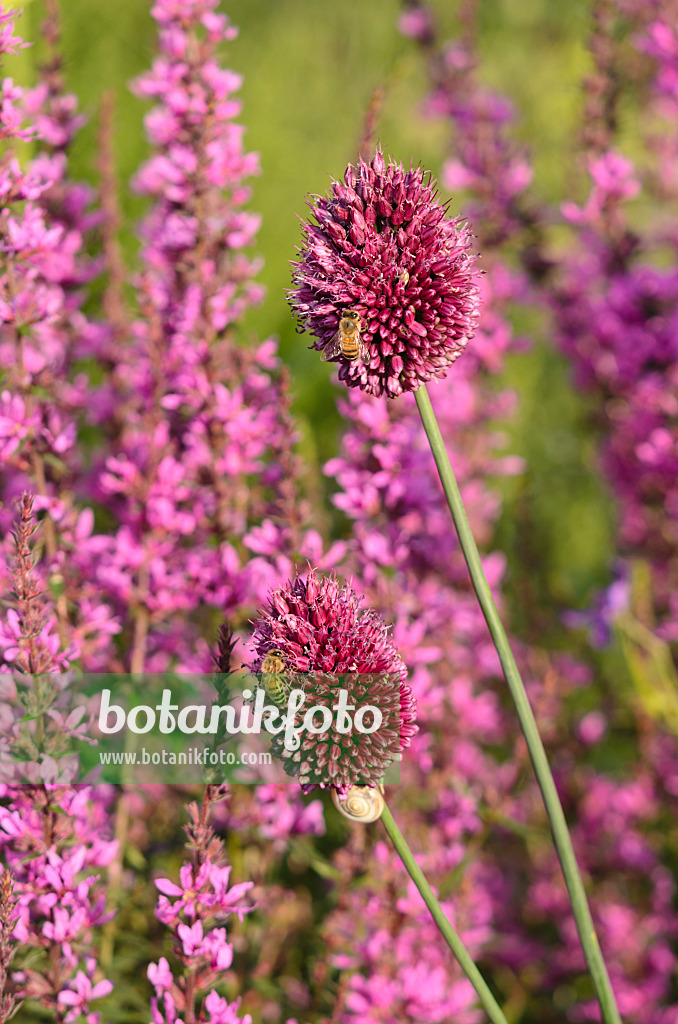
<point>488,1001</point>
<point>554,810</point>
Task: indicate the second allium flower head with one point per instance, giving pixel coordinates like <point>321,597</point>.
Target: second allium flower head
<point>327,642</point>
<point>384,248</point>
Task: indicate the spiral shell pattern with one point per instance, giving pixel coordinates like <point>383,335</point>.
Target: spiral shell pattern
<point>362,803</point>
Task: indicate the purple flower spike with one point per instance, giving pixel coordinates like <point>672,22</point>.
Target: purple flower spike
<point>328,643</point>
<point>384,249</point>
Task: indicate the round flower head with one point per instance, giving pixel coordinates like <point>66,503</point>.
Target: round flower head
<point>384,251</point>
<point>315,626</point>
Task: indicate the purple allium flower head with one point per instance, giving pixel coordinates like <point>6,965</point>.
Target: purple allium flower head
<point>329,644</point>
<point>384,248</point>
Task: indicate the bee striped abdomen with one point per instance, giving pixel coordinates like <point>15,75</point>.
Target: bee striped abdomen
<point>350,347</point>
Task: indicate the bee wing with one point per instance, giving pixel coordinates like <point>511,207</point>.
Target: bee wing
<point>332,348</point>
<point>362,351</point>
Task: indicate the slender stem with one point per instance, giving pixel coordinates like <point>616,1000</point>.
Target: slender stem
<point>490,1004</point>
<point>51,544</point>
<point>554,810</point>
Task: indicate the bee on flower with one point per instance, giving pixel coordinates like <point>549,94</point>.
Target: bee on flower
<point>347,342</point>
<point>385,280</point>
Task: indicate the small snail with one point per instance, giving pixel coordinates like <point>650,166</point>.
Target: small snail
<point>363,803</point>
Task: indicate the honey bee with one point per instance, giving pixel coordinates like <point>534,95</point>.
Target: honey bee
<point>273,679</point>
<point>347,341</point>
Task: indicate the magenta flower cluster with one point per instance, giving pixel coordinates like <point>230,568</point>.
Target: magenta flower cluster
<point>200,415</point>
<point>43,333</point>
<point>56,843</point>
<point>384,248</point>
<point>191,910</point>
<point>616,306</point>
<point>328,643</point>
<point>193,432</point>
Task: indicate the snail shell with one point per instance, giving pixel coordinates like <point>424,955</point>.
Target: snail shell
<point>363,803</point>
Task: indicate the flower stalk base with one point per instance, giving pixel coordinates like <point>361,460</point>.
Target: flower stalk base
<point>458,948</point>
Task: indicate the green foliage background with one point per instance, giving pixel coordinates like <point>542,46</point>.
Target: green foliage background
<point>309,70</point>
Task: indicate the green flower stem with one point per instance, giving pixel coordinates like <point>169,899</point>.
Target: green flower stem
<point>490,1004</point>
<point>561,836</point>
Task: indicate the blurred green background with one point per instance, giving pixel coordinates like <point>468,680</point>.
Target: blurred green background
<point>309,70</point>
